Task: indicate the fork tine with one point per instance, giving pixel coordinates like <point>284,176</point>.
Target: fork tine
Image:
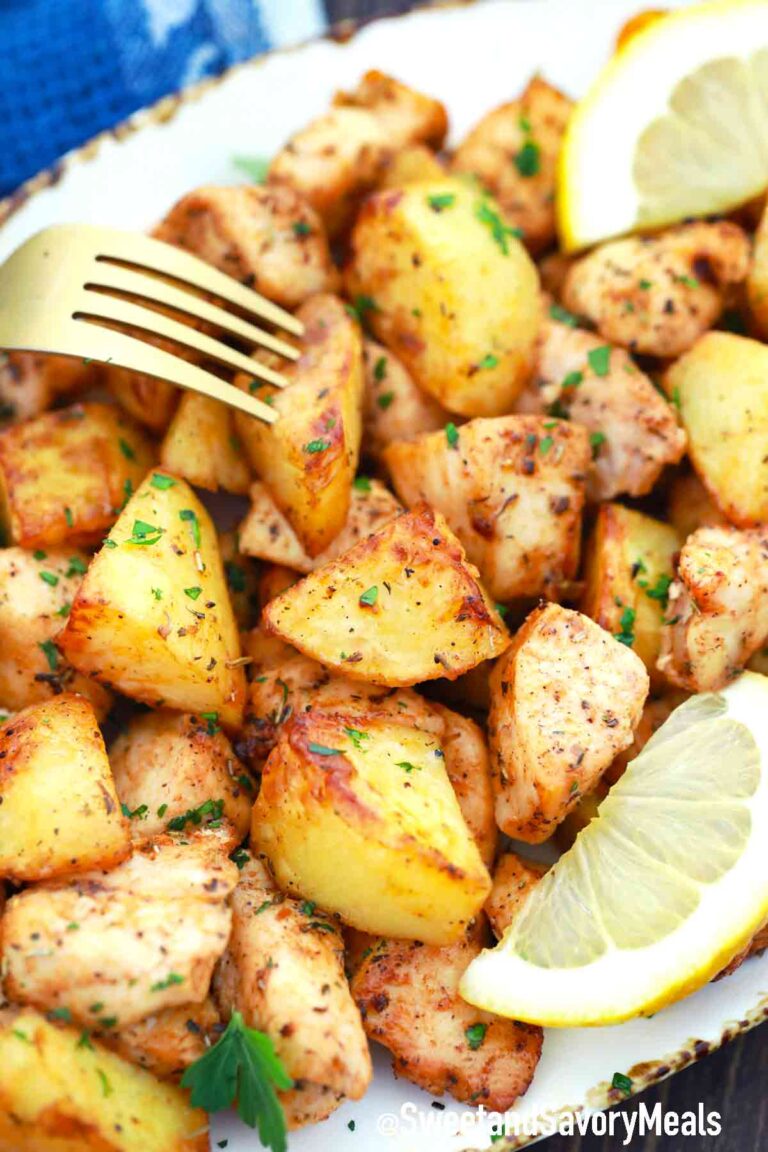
<point>147,252</point>
<point>98,306</point>
<point>138,283</point>
<point>106,346</point>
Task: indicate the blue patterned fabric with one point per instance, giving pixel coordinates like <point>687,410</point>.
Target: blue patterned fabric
<point>72,68</point>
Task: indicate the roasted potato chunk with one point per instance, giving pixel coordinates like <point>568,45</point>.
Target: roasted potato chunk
<point>338,157</point>
<point>167,1042</point>
<point>411,578</point>
<point>633,429</point>
<point>30,383</point>
<point>64,476</point>
<point>36,594</point>
<point>357,813</point>
<point>565,700</point>
<point>309,457</point>
<point>629,568</point>
<point>449,290</point>
<point>284,972</point>
<point>512,489</point>
<point>408,994</point>
<point>657,295</point>
<point>59,811</point>
<point>114,947</point>
<point>394,408</point>
<point>152,615</point>
<point>59,1095</point>
<point>166,764</point>
<point>264,236</point>
<point>689,505</point>
<point>513,151</point>
<point>469,770</point>
<point>146,399</point>
<point>721,386</point>
<point>266,534</point>
<point>413,164</point>
<point>718,608</point>
<point>200,445</point>
<point>513,880</point>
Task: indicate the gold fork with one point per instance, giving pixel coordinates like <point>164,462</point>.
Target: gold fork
<point>56,296</point>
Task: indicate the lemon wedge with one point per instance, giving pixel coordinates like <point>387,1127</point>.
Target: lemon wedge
<point>676,125</point>
<point>660,891</point>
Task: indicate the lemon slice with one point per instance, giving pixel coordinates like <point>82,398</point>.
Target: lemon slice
<point>660,891</point>
<point>676,125</point>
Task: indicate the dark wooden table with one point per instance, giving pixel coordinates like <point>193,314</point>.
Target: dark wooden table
<point>732,1080</point>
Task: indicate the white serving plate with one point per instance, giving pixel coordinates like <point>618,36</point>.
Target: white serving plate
<point>472,57</point>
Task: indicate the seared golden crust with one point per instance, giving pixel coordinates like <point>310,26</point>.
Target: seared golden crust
<point>513,880</point>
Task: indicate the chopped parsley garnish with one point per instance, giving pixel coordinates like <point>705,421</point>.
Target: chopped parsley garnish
<point>235,576</point>
<point>688,281</point>
<point>49,578</point>
<point>211,722</point>
<point>528,159</point>
<point>489,361</point>
<point>50,651</point>
<point>240,857</point>
<point>244,1067</point>
<point>161,482</point>
<point>622,1083</point>
<point>143,533</point>
<point>563,316</point>
<point>660,590</point>
<point>440,201</point>
<point>106,1087</point>
<point>644,285</point>
<point>475,1035</point>
<point>60,1014</point>
<point>170,980</point>
<point>500,232</point>
<point>407,766</point>
<point>380,368</point>
<point>572,380</point>
<point>316,446</point>
<point>77,567</point>
<point>322,749</point>
<point>38,554</point>
<point>370,596</point>
<point>385,400</point>
<point>360,306</point>
<point>139,813</point>
<point>627,625</point>
<point>254,167</point>
<point>545,445</point>
<point>193,592</point>
<point>596,440</point>
<point>157,593</point>
<point>212,808</point>
<point>301,228</point>
<point>162,810</point>
<point>357,737</point>
<point>452,435</point>
<point>126,449</point>
<point>69,518</point>
<point>362,483</point>
<point>189,516</point>
<point>85,1041</point>
<point>599,360</point>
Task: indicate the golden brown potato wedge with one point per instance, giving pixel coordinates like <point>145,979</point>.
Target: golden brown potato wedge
<point>338,157</point>
<point>264,236</point>
<point>59,811</point>
<point>394,408</point>
<point>152,616</point>
<point>721,386</point>
<point>167,1042</point>
<point>409,579</point>
<point>60,1095</point>
<point>36,594</point>
<point>633,429</point>
<point>64,476</point>
<point>266,534</point>
<point>718,608</point>
<point>201,446</point>
<point>450,290</point>
<point>513,151</point>
<point>565,700</point>
<point>309,457</point>
<point>512,489</point>
<point>629,566</point>
<point>146,399</point>
<point>409,996</point>
<point>513,879</point>
<point>30,383</point>
<point>359,815</point>
<point>284,972</point>
<point>166,764</point>
<point>111,948</point>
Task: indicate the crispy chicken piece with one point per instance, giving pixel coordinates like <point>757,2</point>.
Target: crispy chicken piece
<point>266,237</point>
<point>338,157</point>
<point>394,407</point>
<point>166,1042</point>
<point>408,995</point>
<point>469,770</point>
<point>114,947</point>
<point>718,608</point>
<point>513,881</point>
<point>565,700</point>
<point>657,294</point>
<point>30,382</point>
<point>284,971</point>
<point>168,763</point>
<point>513,151</point>
<point>634,431</point>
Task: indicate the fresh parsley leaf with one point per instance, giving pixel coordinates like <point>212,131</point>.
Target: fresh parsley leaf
<point>49,650</point>
<point>563,316</point>
<point>622,1083</point>
<point>370,596</point>
<point>316,446</point>
<point>190,517</point>
<point>385,400</point>
<point>301,228</point>
<point>500,232</point>
<point>212,808</point>
<point>572,379</point>
<point>528,159</point>
<point>452,435</point>
<point>475,1035</point>
<point>599,360</point>
<point>170,980</point>
<point>322,749</point>
<point>488,361</point>
<point>126,449</point>
<point>627,625</point>
<point>440,201</point>
<point>362,483</point>
<point>596,439</point>
<point>161,482</point>
<point>380,368</point>
<point>242,1066</point>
